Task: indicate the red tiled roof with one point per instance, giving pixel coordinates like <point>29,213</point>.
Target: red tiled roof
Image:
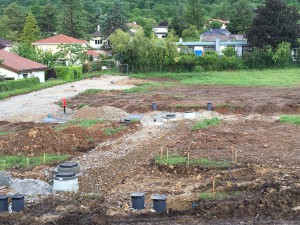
<point>60,39</point>
<point>92,52</point>
<point>18,64</point>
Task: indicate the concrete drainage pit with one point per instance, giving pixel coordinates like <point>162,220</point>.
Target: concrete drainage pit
<point>17,202</point>
<point>65,181</point>
<point>159,203</point>
<point>68,167</point>
<point>189,115</point>
<point>169,117</point>
<point>3,203</point>
<point>137,200</point>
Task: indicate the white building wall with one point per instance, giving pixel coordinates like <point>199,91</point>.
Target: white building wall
<point>8,73</point>
<point>93,43</point>
<point>15,76</point>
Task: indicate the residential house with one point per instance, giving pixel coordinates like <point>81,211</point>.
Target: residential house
<point>16,67</point>
<point>223,22</point>
<point>52,43</point>
<point>200,47</point>
<point>6,45</point>
<point>134,27</point>
<point>93,54</point>
<point>222,38</point>
<point>97,39</point>
<point>161,31</point>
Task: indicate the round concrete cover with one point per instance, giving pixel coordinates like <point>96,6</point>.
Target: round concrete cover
<point>68,165</point>
<point>65,174</point>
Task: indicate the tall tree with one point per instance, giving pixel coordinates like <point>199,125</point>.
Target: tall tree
<point>274,23</point>
<point>72,20</point>
<point>11,23</point>
<point>241,17</point>
<point>47,19</point>
<point>115,19</point>
<point>31,31</point>
<point>194,14</point>
<point>178,23</point>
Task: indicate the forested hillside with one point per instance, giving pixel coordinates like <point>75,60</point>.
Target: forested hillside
<point>50,14</point>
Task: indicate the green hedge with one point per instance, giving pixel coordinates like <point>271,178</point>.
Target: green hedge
<point>18,84</point>
<point>68,72</point>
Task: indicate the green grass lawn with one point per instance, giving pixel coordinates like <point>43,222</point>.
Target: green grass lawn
<point>7,162</point>
<point>81,123</point>
<point>203,124</point>
<point>269,77</point>
<point>174,159</point>
<point>291,119</point>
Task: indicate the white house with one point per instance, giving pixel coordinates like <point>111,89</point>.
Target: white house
<point>52,43</point>
<point>6,45</point>
<point>161,31</point>
<point>97,39</point>
<point>16,67</point>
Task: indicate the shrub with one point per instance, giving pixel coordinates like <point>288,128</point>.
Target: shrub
<point>229,63</point>
<point>209,60</point>
<point>186,62</point>
<point>259,59</point>
<point>18,84</point>
<point>86,67</point>
<point>68,72</point>
<point>96,66</point>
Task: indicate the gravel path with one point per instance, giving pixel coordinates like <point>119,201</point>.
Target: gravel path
<point>34,106</point>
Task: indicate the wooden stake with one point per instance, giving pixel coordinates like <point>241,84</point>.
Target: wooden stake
<point>167,153</point>
<point>161,151</point>
<point>188,158</point>
<point>213,190</point>
<point>44,158</point>
<point>28,162</point>
<point>235,157</point>
<point>232,155</point>
<point>3,164</point>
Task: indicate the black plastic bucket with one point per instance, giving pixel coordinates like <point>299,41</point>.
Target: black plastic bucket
<point>137,200</point>
<point>154,106</point>
<point>3,203</point>
<point>159,203</point>
<point>17,202</point>
<point>209,106</point>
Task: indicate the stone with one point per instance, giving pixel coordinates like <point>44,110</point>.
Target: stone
<point>4,179</point>
<point>30,186</point>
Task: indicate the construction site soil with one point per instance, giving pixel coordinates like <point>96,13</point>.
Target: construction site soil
<point>261,187</point>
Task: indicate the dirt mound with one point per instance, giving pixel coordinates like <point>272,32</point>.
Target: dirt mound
<point>104,112</point>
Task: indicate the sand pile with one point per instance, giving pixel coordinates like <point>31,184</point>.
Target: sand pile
<point>104,112</point>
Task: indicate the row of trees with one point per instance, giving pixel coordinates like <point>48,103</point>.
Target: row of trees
<point>79,18</point>
<point>70,19</point>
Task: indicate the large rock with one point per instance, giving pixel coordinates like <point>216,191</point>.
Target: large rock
<point>4,179</point>
<point>30,186</point>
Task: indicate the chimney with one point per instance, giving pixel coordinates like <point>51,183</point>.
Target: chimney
<point>98,28</point>
<point>180,40</point>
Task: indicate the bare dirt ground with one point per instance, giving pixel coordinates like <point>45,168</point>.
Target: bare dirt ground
<point>263,187</point>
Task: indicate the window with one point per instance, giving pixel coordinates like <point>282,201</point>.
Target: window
<point>25,75</point>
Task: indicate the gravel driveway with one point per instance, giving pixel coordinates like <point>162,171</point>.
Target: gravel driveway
<point>34,106</point>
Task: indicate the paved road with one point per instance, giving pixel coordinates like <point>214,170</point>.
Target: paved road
<point>37,105</point>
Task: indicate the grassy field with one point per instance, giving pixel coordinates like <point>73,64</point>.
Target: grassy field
<point>203,124</point>
<point>274,77</point>
<point>291,119</point>
<point>7,162</point>
<point>81,123</point>
<point>174,159</point>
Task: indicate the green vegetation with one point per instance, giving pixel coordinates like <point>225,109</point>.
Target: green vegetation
<point>7,162</point>
<point>82,105</point>
<point>111,131</point>
<point>3,133</point>
<point>37,87</point>
<point>174,159</point>
<point>188,106</point>
<point>274,77</point>
<point>92,91</point>
<point>203,124</point>
<point>148,87</point>
<point>291,119</point>
<point>218,195</point>
<point>68,72</point>
<point>18,84</point>
<point>81,123</point>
